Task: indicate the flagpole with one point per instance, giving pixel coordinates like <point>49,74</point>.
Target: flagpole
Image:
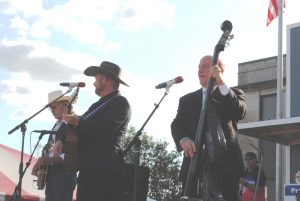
<point>279,147</point>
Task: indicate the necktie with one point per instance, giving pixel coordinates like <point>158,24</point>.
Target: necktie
<point>204,91</point>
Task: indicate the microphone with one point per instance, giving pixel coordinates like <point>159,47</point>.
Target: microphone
<point>44,132</point>
<point>169,83</point>
<point>72,84</point>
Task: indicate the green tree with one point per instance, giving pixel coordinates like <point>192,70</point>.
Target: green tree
<point>164,166</point>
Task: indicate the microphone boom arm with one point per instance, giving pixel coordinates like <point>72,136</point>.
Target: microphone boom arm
<point>27,120</point>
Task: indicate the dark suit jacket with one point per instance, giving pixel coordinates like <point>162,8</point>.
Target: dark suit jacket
<point>101,132</point>
<point>230,109</point>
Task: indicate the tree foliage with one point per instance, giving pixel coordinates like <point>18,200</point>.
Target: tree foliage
<point>164,166</point>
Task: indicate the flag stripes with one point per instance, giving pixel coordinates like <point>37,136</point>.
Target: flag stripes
<point>273,10</point>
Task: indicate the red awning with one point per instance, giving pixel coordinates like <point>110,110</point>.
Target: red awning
<point>6,185</point>
<point>9,176</point>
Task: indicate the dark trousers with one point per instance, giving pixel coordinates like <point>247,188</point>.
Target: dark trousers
<point>193,191</point>
<point>60,186</point>
<point>97,186</point>
<point>230,187</point>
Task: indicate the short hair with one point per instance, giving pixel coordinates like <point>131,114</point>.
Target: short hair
<point>114,82</point>
<point>219,63</point>
<point>251,155</point>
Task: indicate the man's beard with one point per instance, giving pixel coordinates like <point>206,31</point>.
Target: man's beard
<point>99,90</point>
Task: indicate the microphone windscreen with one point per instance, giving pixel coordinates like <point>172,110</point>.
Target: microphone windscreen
<point>81,84</point>
<point>179,79</point>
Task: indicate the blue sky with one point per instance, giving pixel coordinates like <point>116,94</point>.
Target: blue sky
<point>43,43</point>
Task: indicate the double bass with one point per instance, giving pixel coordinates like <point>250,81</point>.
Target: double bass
<point>213,127</point>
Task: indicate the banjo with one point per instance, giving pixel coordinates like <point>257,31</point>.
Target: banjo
<point>43,169</point>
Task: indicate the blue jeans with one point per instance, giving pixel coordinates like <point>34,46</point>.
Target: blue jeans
<point>60,186</point>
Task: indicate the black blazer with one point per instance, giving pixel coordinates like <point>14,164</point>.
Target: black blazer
<point>230,109</point>
<point>100,134</point>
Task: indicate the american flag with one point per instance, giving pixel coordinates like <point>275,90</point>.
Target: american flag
<point>273,10</point>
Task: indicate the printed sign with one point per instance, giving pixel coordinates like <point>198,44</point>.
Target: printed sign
<point>290,191</point>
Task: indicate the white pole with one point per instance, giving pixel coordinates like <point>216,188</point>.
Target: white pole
<point>279,147</point>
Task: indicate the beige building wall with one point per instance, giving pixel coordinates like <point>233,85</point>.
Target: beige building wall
<point>258,78</point>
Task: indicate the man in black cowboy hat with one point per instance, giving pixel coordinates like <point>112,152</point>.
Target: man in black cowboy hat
<point>100,129</point>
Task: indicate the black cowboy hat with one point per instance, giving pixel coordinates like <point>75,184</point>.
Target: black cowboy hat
<point>106,68</point>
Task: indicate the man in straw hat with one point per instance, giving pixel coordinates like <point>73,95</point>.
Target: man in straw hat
<point>100,130</point>
<point>60,183</point>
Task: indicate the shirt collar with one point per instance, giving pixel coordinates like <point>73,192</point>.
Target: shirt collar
<point>204,89</point>
<point>104,98</point>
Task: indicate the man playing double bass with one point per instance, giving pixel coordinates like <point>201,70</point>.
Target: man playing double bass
<point>221,162</point>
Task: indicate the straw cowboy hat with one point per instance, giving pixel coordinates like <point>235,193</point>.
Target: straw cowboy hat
<point>55,94</point>
<point>106,68</point>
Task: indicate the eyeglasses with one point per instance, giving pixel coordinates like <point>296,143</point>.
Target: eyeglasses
<point>53,107</point>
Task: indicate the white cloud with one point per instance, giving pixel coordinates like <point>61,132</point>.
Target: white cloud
<point>88,21</point>
<point>24,94</point>
<point>20,25</point>
<point>41,61</point>
<point>29,82</point>
<point>40,29</point>
<point>110,45</point>
<point>136,15</point>
<point>27,8</point>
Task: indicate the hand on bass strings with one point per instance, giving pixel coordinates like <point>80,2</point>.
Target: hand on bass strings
<point>217,73</point>
<point>188,146</point>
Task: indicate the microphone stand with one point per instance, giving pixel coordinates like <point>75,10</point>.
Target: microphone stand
<point>137,143</point>
<point>18,190</point>
<point>16,195</point>
<point>261,154</point>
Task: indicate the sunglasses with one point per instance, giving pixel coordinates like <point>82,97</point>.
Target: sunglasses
<point>248,159</point>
